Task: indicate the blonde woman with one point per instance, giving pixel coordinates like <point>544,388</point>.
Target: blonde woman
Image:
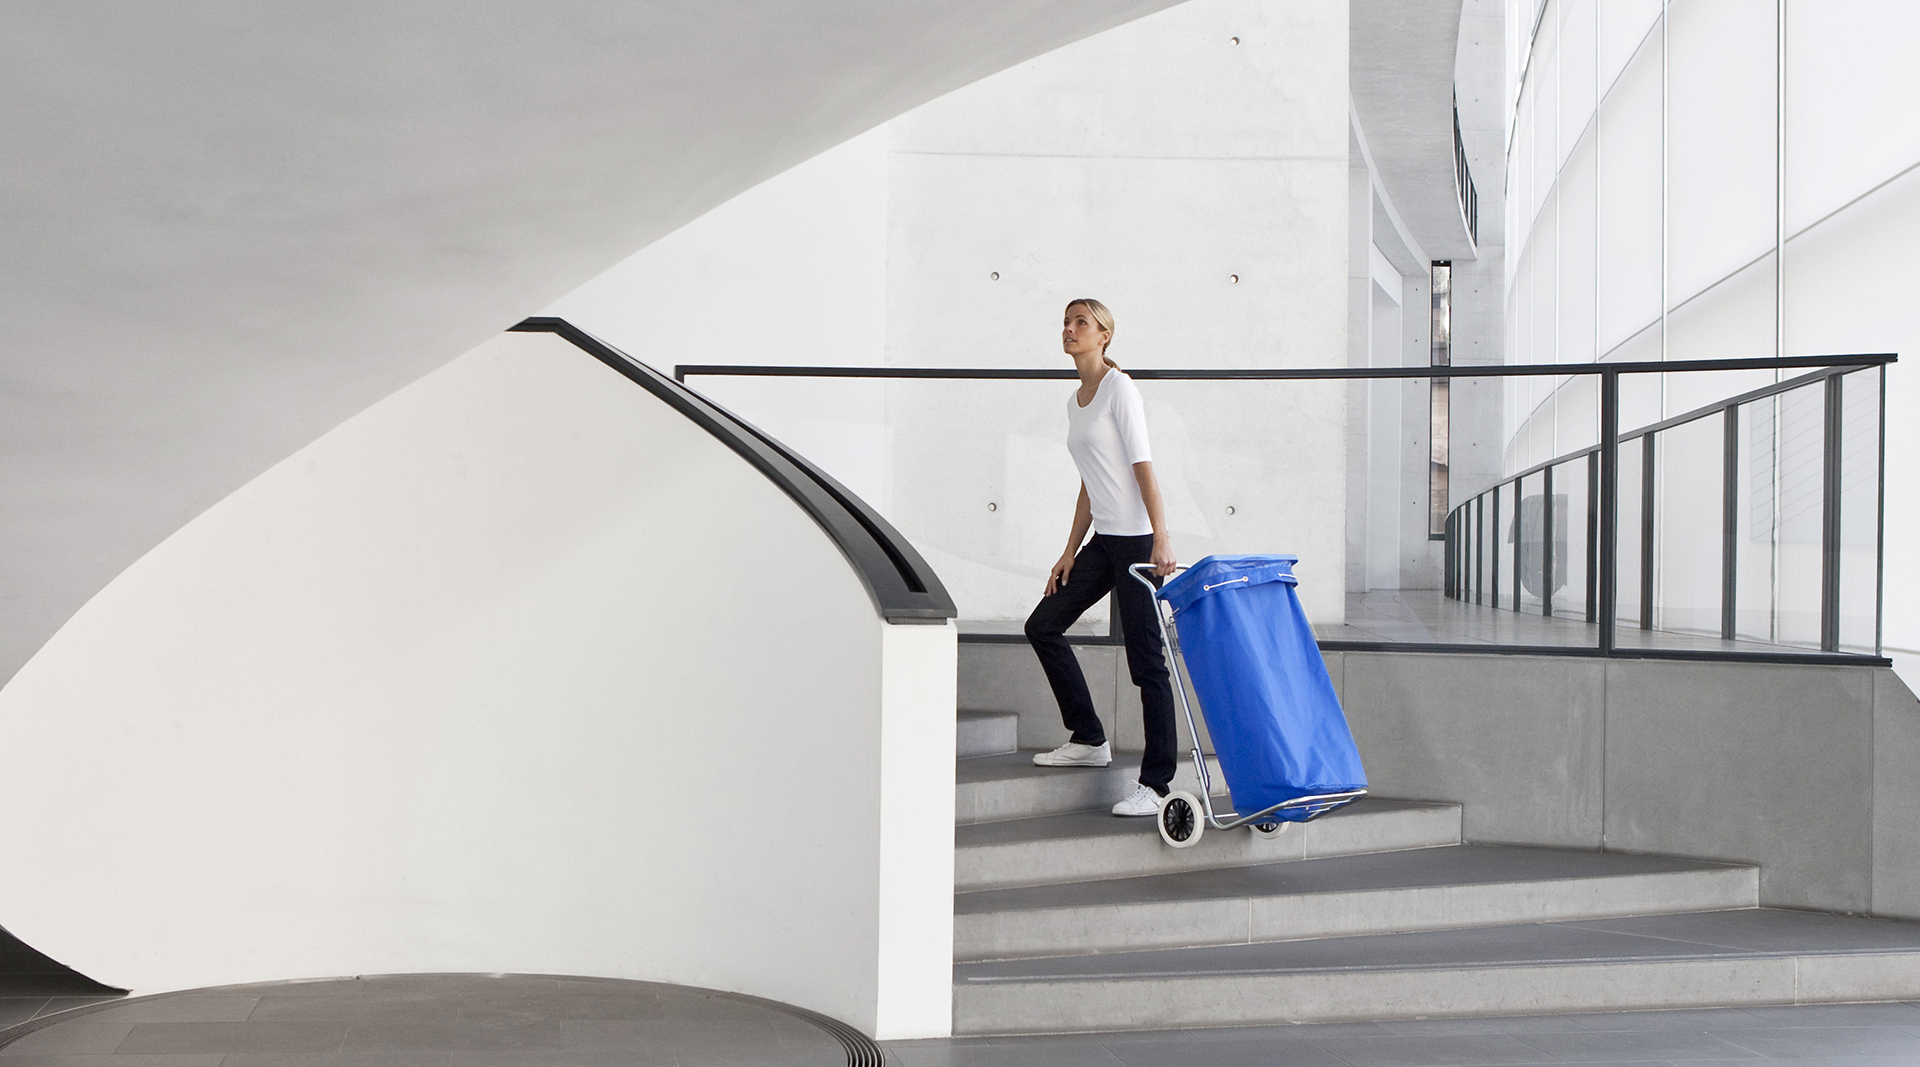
<point>1120,503</point>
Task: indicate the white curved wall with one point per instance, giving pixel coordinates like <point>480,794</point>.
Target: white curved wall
<point>517,670</point>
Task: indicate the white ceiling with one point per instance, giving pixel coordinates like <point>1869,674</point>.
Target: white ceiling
<point>228,226</point>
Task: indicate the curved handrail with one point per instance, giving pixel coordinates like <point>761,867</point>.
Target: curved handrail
<point>903,587</point>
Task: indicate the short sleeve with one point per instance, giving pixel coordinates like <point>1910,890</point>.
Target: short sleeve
<point>1130,418</point>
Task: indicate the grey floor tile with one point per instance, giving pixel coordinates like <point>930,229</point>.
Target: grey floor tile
<point>1433,1050</point>
<point>60,1004</point>
<point>1600,1046</point>
<point>1082,1053</point>
<point>350,1010</point>
<point>447,1035</point>
<point>19,1009</point>
<point>409,1058</point>
<point>90,1035</point>
<point>175,1037</point>
<point>571,1058</point>
<point>1896,1014</point>
<point>197,1060</point>
<point>1277,1052</point>
<point>186,1007</point>
<point>1810,1042</point>
<point>1681,1019</point>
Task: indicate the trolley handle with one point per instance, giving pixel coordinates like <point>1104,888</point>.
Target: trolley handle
<point>1142,573</point>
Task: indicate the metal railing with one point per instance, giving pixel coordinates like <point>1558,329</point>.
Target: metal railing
<point>1474,570</point>
<point>1463,179</point>
<point>1512,546</point>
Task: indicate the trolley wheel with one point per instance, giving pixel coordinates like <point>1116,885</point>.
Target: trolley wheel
<point>1268,831</point>
<point>1182,819</point>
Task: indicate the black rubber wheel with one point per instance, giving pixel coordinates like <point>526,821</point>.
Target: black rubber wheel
<point>1180,823</point>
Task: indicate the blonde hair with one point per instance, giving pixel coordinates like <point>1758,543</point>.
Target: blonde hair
<point>1102,318</point>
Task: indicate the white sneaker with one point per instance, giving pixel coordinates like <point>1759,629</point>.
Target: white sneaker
<point>1075,754</point>
<point>1142,801</point>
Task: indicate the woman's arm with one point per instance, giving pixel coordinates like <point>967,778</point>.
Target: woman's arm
<point>1163,562</point>
<point>1082,522</point>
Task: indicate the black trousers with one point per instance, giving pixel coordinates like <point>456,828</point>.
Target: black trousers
<point>1099,568</point>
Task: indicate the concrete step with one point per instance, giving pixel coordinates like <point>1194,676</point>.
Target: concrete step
<point>1083,845</point>
<point>1735,958</point>
<point>1422,889</point>
<point>988,733</point>
<point>1009,786</point>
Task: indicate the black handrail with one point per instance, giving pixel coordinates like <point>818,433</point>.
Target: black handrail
<point>1286,374</point>
<point>903,587</point>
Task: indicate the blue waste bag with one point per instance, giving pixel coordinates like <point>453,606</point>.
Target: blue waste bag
<point>1269,704</point>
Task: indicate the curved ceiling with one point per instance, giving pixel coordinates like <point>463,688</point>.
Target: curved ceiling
<point>229,226</point>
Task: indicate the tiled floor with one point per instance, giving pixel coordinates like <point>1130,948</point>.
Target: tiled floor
<point>432,1021</point>
<point>1825,1035</point>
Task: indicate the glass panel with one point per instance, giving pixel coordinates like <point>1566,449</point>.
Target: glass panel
<point>1576,278</point>
<point>1797,453</point>
<point>1753,533</point>
<point>1531,531</point>
<point>1576,71</point>
<point>1842,56</point>
<point>1860,512</point>
<point>1629,191</point>
<point>1571,520</point>
<point>1545,264</point>
<point>1687,514</point>
<point>1623,29</point>
<point>1627,538</point>
<point>1721,137</point>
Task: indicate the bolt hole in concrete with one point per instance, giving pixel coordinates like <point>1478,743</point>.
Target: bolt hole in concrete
<point>1233,279</point>
<point>428,1018</point>
<point>991,506</point>
<point>1229,509</point>
<point>995,276</point>
<point>1233,40</point>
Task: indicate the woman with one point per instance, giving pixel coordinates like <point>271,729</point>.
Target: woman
<point>1120,503</point>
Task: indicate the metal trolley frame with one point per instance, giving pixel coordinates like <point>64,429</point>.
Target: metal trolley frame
<point>1183,816</point>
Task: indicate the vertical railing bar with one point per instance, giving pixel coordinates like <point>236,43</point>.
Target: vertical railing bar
<point>1609,493</point>
<point>1832,418</point>
<point>1880,527</point>
<point>1593,536</point>
<point>1519,536</point>
<point>1647,471</point>
<point>1729,521</point>
<point>1480,550</point>
<point>1493,553</point>
<point>1546,543</point>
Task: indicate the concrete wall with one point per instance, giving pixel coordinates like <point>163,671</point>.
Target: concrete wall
<point>489,679</point>
<point>1804,770</point>
<point>1188,169</point>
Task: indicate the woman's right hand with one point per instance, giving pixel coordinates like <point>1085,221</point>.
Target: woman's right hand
<point>1057,577</point>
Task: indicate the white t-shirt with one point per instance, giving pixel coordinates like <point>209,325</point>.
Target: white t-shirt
<point>1106,438</point>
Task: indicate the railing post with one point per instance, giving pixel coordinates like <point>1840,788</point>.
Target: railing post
<point>1519,540</point>
<point>1832,420</point>
<point>1546,542</point>
<point>1609,493</point>
<point>1647,473</point>
<point>1593,536</point>
<point>1493,551</point>
<point>1730,523</point>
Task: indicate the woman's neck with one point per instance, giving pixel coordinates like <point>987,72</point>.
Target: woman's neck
<point>1092,368</point>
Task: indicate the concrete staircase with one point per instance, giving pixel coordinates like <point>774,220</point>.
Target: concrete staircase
<point>1068,919</point>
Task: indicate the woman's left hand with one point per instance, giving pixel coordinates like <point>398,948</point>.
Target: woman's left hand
<point>1162,559</point>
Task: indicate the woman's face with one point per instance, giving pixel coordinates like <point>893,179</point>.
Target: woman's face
<point>1079,334</point>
